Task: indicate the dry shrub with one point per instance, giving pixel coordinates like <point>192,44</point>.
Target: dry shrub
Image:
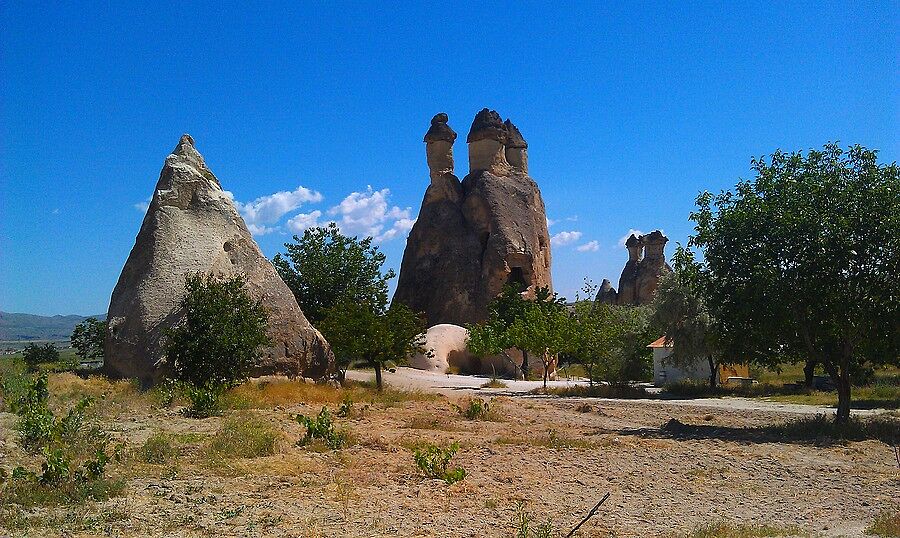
<point>244,436</point>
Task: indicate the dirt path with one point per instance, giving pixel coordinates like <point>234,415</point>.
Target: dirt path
<point>450,384</point>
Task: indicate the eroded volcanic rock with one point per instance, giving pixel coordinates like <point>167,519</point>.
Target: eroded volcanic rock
<point>192,226</point>
<point>474,236</point>
<point>646,265</point>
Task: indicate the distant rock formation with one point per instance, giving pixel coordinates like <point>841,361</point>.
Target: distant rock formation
<point>474,236</point>
<point>606,294</point>
<point>192,226</point>
<point>645,266</point>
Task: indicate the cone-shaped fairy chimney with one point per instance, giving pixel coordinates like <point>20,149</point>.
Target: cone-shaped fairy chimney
<point>192,226</point>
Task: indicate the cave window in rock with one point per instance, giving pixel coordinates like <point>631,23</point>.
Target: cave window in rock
<point>516,277</point>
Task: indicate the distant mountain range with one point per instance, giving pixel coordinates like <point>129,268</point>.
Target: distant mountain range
<point>15,326</point>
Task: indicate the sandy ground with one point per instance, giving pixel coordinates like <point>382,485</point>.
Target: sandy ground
<point>559,456</point>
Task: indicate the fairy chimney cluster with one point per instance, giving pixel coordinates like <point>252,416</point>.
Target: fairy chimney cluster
<point>645,266</point>
<point>474,236</point>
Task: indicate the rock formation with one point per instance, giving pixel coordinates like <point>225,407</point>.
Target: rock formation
<point>192,226</point>
<point>606,294</point>
<point>645,266</point>
<point>447,344</point>
<point>473,237</point>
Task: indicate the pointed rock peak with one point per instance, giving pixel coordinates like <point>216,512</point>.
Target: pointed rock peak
<point>633,241</point>
<point>487,125</point>
<point>514,138</point>
<point>606,285</point>
<point>439,129</point>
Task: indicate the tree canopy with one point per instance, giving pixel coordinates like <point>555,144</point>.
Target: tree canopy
<point>88,337</point>
<point>325,267</point>
<point>218,339</point>
<point>803,260</point>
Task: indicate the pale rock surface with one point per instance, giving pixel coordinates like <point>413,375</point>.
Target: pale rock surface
<point>192,226</point>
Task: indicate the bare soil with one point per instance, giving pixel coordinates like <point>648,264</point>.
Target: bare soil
<point>558,456</point>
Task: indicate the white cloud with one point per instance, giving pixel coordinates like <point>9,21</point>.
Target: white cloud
<point>590,246</point>
<point>368,214</point>
<point>258,229</point>
<point>550,222</point>
<point>143,206</point>
<point>565,238</point>
<point>626,236</point>
<point>303,221</point>
<point>269,209</point>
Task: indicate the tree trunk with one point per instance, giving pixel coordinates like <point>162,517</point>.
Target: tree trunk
<point>713,372</point>
<point>378,383</point>
<point>590,373</point>
<point>524,365</point>
<point>843,389</point>
<point>809,372</point>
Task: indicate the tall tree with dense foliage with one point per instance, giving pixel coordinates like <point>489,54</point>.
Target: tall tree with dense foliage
<point>88,337</point>
<point>325,267</point>
<point>610,342</point>
<point>803,261</point>
<point>218,340</point>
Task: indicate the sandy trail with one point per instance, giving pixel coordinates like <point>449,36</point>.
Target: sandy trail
<point>451,384</point>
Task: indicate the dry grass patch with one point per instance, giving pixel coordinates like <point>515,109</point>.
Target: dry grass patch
<point>244,436</point>
<point>886,525</point>
<point>268,393</point>
<point>551,440</point>
<point>439,423</point>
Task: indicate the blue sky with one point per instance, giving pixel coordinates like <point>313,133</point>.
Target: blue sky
<point>629,112</point>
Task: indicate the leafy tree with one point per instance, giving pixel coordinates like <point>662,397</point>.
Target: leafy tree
<point>546,329</point>
<point>88,337</point>
<point>372,333</point>
<point>35,355</point>
<point>610,341</point>
<point>802,261</point>
<point>541,326</point>
<point>220,334</point>
<point>325,267</point>
<point>680,310</point>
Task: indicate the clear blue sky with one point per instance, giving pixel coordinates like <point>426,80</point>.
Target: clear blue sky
<point>629,111</point>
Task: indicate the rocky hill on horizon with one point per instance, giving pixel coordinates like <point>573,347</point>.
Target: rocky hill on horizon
<point>15,326</point>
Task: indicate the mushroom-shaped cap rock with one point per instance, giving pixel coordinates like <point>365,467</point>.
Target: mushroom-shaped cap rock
<point>655,237</point>
<point>439,129</point>
<point>633,241</point>
<point>514,138</point>
<point>487,125</point>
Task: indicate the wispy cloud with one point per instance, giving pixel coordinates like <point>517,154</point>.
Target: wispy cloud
<point>144,205</point>
<point>370,214</point>
<point>590,246</point>
<point>269,209</point>
<point>565,238</point>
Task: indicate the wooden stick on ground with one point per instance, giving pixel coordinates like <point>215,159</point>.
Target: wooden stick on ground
<point>589,516</point>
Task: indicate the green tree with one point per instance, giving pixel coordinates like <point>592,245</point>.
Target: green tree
<point>35,355</point>
<point>541,326</point>
<point>218,339</point>
<point>546,329</point>
<point>680,310</point>
<point>373,334</point>
<point>88,337</point>
<point>610,342</point>
<point>802,261</point>
<point>325,267</point>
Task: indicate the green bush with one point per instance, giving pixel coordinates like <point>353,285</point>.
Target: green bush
<point>74,453</point>
<point>219,337</point>
<point>205,400</point>
<point>35,355</point>
<point>478,409</point>
<point>321,427</point>
<point>433,461</point>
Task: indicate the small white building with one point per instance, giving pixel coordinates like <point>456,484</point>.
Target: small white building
<point>664,373</point>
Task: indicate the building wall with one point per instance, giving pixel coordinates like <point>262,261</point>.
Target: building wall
<point>667,373</point>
